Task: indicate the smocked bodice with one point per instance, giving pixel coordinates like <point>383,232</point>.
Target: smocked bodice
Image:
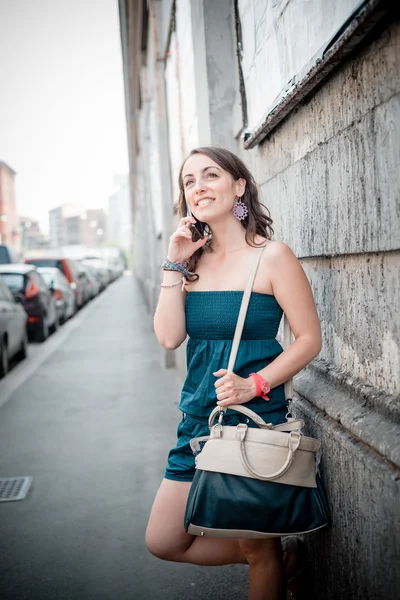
<point>211,319</point>
<point>213,315</point>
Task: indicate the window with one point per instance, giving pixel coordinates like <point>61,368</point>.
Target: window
<point>5,293</point>
<point>14,281</point>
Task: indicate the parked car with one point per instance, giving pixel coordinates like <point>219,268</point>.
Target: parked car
<point>8,255</point>
<point>28,288</point>
<point>92,285</point>
<point>13,335</point>
<point>62,292</point>
<point>101,270</point>
<point>69,268</point>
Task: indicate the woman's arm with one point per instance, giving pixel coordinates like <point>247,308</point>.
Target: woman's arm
<point>293,292</point>
<point>170,318</point>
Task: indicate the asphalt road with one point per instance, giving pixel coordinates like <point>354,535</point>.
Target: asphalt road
<point>90,416</point>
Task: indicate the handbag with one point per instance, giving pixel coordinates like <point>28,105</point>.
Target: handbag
<point>256,482</point>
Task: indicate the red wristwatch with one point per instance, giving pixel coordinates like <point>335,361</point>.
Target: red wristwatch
<point>262,386</point>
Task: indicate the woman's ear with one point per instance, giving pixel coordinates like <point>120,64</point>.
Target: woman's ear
<point>240,187</point>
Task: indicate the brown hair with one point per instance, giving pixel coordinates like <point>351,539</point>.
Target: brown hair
<point>258,220</point>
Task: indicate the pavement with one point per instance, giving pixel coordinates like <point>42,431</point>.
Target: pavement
<point>91,415</point>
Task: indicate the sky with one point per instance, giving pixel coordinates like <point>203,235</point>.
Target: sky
<point>62,114</point>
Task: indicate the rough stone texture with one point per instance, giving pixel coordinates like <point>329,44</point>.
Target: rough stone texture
<point>329,174</point>
<point>356,557</point>
<point>345,193</point>
<point>370,79</point>
<point>219,27</point>
<point>350,292</point>
<point>276,49</point>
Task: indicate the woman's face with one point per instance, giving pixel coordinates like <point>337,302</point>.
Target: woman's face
<point>210,191</point>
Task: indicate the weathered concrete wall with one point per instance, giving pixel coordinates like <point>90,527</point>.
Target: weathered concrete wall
<point>222,72</point>
<point>280,39</point>
<point>356,558</point>
<point>329,175</point>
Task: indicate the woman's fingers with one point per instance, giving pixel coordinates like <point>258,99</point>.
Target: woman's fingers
<point>182,232</point>
<point>186,221</point>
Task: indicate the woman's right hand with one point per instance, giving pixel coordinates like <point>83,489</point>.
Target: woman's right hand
<point>181,246</point>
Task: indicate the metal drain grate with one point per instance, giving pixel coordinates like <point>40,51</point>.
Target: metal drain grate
<point>14,488</point>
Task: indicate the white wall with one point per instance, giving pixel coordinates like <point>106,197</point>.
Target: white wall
<point>279,41</point>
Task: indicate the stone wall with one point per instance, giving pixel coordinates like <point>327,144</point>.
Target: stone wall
<point>329,173</point>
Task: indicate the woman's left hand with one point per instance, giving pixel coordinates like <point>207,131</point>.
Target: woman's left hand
<point>232,389</point>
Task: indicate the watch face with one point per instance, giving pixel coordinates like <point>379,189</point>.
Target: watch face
<point>265,388</point>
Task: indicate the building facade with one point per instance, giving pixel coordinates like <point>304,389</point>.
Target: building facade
<point>308,94</point>
<point>59,230</point>
<point>93,227</point>
<point>70,226</point>
<point>119,218</point>
<point>31,236</point>
<point>9,227</point>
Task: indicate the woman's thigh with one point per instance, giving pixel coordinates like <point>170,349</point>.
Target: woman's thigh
<point>166,536</point>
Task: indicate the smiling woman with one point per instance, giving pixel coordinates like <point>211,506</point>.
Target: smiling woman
<point>219,170</point>
<point>209,277</point>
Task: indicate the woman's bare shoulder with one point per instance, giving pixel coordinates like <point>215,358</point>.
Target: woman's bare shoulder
<point>275,250</point>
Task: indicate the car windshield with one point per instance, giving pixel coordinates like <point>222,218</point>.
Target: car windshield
<point>43,262</point>
<point>14,281</point>
<point>4,256</point>
<point>48,278</point>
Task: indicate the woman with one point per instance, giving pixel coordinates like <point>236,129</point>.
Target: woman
<point>200,296</point>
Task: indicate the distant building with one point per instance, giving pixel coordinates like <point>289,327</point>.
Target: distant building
<point>9,232</point>
<point>119,214</point>
<point>31,236</point>
<point>69,226</point>
<point>60,230</point>
<point>93,227</point>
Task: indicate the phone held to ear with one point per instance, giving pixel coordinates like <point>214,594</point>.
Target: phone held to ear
<point>198,230</point>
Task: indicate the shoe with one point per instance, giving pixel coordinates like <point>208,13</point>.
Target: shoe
<point>295,559</point>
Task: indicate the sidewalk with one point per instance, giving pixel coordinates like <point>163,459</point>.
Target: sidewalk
<point>92,425</point>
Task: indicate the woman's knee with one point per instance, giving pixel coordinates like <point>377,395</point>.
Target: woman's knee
<point>165,548</point>
<point>157,546</point>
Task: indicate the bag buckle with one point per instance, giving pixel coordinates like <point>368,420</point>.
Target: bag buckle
<point>294,440</point>
<point>241,430</point>
<point>221,416</point>
<point>217,429</point>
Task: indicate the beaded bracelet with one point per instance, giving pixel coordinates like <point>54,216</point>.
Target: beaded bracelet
<point>182,267</point>
<point>183,281</point>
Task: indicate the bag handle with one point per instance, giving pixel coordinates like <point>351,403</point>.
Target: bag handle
<point>293,424</point>
<point>293,444</point>
<point>287,332</point>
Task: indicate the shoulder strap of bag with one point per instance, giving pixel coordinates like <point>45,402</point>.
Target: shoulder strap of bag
<point>243,311</point>
<point>287,333</point>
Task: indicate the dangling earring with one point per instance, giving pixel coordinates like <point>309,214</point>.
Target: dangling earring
<point>240,210</point>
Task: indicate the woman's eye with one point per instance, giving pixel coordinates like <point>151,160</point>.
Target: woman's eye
<point>213,174</point>
<point>188,182</point>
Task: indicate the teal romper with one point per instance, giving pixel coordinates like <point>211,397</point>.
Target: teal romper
<point>210,323</point>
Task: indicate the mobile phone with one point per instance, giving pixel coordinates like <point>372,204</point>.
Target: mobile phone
<point>198,230</point>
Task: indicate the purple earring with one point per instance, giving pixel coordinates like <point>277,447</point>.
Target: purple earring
<point>240,210</point>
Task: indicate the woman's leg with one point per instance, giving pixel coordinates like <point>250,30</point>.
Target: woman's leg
<point>166,537</point>
<point>266,574</point>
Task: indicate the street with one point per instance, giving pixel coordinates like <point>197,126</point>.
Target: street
<point>90,415</point>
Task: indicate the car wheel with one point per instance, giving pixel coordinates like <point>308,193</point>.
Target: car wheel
<point>23,350</point>
<point>43,332</point>
<point>55,325</point>
<point>3,358</point>
<point>74,309</point>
